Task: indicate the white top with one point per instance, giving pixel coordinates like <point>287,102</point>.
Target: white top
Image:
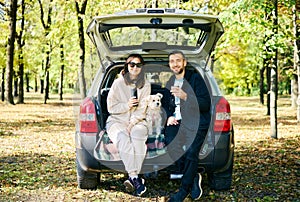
<point>177,113</point>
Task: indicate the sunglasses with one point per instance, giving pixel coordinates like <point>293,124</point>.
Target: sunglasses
<point>132,64</point>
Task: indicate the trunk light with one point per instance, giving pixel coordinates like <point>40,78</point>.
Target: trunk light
<point>87,117</point>
<point>223,116</point>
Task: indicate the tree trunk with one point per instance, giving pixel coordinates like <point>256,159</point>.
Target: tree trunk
<point>62,67</point>
<point>42,85</point>
<point>27,82</point>
<point>273,102</point>
<point>274,77</point>
<point>268,88</point>
<point>79,12</point>
<point>3,85</point>
<point>35,84</point>
<point>15,86</point>
<point>21,44</point>
<point>21,80</point>
<point>42,76</point>
<point>294,86</point>
<point>10,52</point>
<point>297,52</point>
<point>261,85</point>
<point>267,59</point>
<point>47,77</point>
<point>298,101</point>
<point>46,25</point>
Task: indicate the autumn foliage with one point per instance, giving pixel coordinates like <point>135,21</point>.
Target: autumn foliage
<point>37,156</point>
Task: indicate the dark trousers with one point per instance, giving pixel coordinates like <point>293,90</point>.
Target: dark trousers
<point>183,147</point>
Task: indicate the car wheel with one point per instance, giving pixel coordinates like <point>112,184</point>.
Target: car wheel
<point>221,180</point>
<point>86,180</point>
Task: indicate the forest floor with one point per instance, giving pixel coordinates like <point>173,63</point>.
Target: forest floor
<point>37,156</point>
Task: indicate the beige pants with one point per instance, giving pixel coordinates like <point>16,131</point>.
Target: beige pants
<point>132,147</point>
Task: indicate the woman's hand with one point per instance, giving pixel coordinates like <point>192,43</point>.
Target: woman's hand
<point>172,121</point>
<point>133,102</point>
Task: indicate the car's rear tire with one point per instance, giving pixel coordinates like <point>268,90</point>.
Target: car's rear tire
<point>221,180</point>
<point>86,180</point>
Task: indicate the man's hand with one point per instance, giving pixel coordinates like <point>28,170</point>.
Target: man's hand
<point>178,92</point>
<point>172,121</point>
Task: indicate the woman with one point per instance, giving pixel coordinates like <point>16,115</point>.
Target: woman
<point>126,126</point>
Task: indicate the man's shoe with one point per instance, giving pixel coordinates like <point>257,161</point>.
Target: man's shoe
<point>196,192</point>
<point>139,186</point>
<point>179,196</point>
<point>129,185</point>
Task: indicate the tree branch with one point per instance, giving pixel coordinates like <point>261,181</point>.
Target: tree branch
<point>42,14</point>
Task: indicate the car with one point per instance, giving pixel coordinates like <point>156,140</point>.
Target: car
<point>153,33</point>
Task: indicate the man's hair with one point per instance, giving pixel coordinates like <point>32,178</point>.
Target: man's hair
<point>177,52</point>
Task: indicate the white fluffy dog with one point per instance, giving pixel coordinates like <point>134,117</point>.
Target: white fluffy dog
<point>153,117</point>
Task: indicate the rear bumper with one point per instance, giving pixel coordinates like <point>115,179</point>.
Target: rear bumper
<point>224,151</point>
<point>217,151</point>
<point>216,159</point>
<point>85,144</point>
<point>87,161</point>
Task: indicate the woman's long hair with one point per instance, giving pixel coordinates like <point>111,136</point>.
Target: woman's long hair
<point>140,81</point>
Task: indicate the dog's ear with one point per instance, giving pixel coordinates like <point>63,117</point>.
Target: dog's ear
<point>159,95</point>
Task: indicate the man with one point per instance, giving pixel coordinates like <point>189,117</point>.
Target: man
<point>188,113</point>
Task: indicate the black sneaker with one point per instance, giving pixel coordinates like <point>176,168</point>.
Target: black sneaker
<point>196,192</point>
<point>139,186</point>
<point>129,186</point>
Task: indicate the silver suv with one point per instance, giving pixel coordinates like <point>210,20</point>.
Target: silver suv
<point>153,33</point>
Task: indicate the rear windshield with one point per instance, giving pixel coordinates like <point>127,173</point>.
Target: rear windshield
<point>135,37</point>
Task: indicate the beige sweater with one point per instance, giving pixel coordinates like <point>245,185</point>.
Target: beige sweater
<point>117,103</point>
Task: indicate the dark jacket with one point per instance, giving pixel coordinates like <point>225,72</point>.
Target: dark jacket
<point>195,111</point>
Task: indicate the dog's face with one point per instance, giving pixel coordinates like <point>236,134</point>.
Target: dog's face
<point>154,101</point>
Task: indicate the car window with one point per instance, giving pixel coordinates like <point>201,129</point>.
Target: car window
<point>126,36</point>
<point>133,37</point>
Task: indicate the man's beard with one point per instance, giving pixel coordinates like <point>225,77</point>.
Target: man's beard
<point>180,71</point>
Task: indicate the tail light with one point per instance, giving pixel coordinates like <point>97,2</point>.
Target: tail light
<point>87,117</point>
<point>223,117</point>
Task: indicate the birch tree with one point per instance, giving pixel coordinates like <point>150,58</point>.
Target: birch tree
<point>296,18</point>
<point>274,75</point>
